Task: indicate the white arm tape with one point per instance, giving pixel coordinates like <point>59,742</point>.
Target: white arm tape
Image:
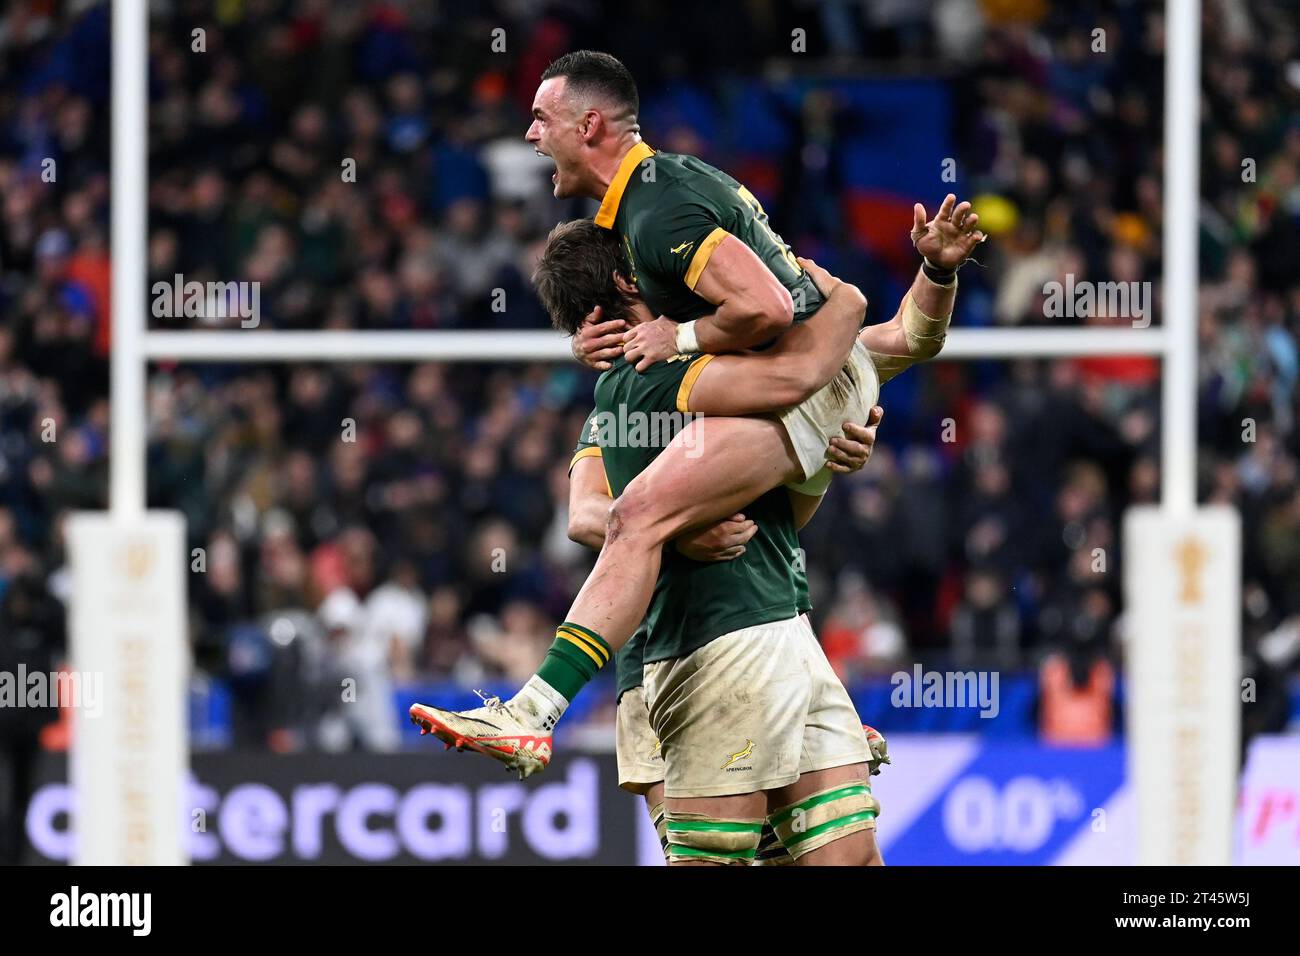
<point>925,335</point>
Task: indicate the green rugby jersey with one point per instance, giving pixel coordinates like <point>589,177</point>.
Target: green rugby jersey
<point>671,211</point>
<point>627,661</point>
<point>695,602</point>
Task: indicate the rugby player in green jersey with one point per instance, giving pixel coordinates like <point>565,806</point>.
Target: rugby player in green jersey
<point>585,118</point>
<point>811,353</point>
<point>579,258</point>
<point>803,753</point>
<point>637,750</point>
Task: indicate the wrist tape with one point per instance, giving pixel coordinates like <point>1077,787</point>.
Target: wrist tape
<point>685,339</point>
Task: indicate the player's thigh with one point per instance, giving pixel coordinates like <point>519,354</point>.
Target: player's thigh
<point>857,846</point>
<point>711,470</point>
<point>714,831</point>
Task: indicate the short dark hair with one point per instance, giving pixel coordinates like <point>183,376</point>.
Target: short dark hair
<point>593,72</point>
<point>576,273</point>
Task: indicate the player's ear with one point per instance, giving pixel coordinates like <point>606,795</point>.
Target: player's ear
<point>590,124</point>
<point>625,285</point>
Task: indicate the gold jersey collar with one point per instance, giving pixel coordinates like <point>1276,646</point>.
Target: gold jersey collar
<point>614,194</point>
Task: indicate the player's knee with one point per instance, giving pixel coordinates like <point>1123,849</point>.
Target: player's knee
<point>632,515</point>
<point>699,838</point>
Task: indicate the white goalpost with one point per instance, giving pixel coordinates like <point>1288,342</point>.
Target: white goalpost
<point>127,619</point>
<point>1182,577</point>
<point>128,616</point>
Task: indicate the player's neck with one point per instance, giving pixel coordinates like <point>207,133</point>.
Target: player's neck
<point>604,166</point>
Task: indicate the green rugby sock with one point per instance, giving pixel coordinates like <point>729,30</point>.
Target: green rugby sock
<point>576,656</point>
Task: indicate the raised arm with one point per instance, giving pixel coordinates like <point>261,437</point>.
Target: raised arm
<point>803,360</point>
<point>916,332</point>
<point>920,326</point>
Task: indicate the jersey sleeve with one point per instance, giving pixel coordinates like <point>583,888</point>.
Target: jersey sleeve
<point>687,383</point>
<point>587,441</point>
<point>667,386</point>
<point>680,237</point>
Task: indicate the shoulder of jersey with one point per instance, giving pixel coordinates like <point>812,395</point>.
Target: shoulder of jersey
<point>668,169</point>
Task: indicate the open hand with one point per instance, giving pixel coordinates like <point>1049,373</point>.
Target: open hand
<point>948,239</point>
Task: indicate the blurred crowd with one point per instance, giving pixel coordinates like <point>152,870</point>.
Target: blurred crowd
<point>392,523</point>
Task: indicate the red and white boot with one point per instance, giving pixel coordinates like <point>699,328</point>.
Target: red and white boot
<point>494,729</point>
